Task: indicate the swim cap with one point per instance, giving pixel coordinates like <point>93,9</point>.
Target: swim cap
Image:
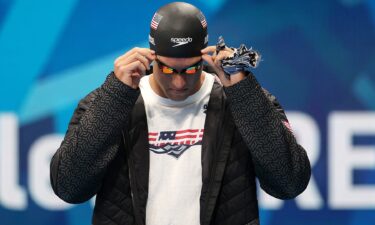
<point>178,30</point>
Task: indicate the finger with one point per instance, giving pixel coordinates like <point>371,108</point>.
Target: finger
<point>129,59</point>
<point>208,59</point>
<point>135,77</point>
<point>141,69</point>
<point>146,62</point>
<point>219,72</point>
<point>222,55</point>
<point>136,66</point>
<point>209,49</point>
<point>127,54</point>
<point>150,54</point>
<point>211,62</point>
<point>143,51</point>
<point>228,49</point>
<point>134,57</point>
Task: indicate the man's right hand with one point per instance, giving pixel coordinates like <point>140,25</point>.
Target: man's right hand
<point>130,67</point>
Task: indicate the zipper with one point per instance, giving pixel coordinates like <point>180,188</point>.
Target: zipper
<point>213,168</point>
<point>133,187</point>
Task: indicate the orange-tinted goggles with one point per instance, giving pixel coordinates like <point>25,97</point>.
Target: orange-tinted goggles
<point>193,69</point>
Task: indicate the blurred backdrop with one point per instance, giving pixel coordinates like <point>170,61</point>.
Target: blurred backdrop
<point>318,59</point>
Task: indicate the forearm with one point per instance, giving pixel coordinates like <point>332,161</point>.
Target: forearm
<point>92,141</point>
<point>280,163</point>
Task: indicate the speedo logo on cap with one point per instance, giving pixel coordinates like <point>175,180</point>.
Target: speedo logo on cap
<point>181,41</point>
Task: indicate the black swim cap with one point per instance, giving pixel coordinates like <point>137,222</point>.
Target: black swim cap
<point>178,30</point>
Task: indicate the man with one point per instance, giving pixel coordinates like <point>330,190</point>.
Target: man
<point>176,147</point>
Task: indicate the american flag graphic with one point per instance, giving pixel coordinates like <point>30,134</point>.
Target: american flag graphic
<point>174,143</point>
<point>180,137</point>
<point>156,20</point>
<point>202,19</point>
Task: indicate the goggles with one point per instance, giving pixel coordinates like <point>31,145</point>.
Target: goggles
<point>190,70</point>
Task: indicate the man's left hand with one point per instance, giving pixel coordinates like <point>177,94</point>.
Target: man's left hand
<point>215,61</point>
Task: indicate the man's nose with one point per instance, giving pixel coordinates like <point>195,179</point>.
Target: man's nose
<point>178,81</point>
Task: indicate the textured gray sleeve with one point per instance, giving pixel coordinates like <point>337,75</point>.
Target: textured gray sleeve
<point>91,141</point>
<point>281,164</point>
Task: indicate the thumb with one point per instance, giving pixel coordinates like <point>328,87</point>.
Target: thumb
<point>219,72</point>
<point>209,60</point>
<point>209,49</point>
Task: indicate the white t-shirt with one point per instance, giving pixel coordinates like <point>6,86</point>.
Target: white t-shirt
<point>175,139</point>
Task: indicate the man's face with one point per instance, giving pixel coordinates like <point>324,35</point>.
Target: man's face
<point>176,86</point>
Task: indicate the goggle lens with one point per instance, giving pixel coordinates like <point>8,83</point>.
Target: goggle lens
<point>167,70</point>
<point>192,70</point>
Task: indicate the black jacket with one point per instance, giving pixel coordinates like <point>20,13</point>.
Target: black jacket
<point>105,152</point>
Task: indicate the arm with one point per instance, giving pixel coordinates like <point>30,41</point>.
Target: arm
<point>94,133</point>
<point>92,141</point>
<point>281,164</point>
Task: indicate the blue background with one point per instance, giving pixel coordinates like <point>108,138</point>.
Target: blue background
<point>318,57</point>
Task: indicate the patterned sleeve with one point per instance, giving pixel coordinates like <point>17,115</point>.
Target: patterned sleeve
<point>281,164</point>
<point>91,141</point>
